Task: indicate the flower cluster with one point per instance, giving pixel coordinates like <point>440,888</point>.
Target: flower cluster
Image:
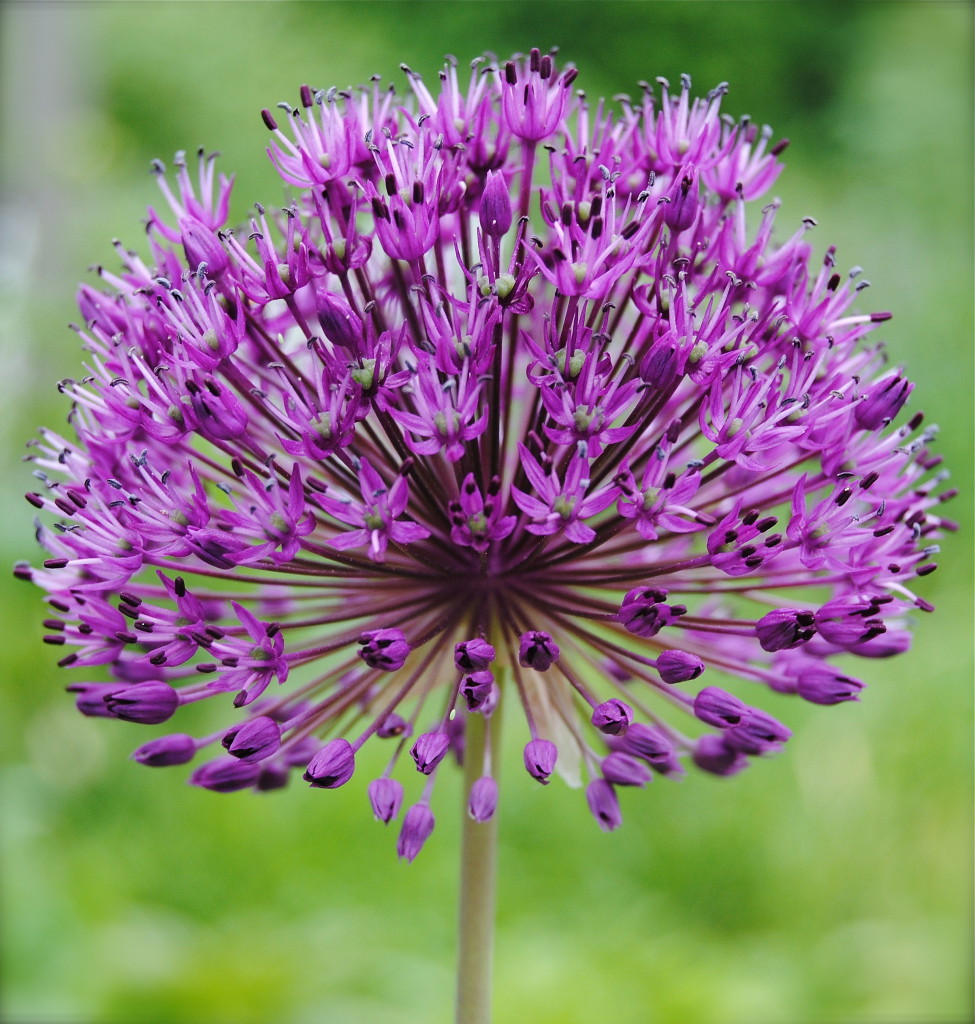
<point>517,400</point>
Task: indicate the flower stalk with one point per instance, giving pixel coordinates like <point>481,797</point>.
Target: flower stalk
<point>478,885</point>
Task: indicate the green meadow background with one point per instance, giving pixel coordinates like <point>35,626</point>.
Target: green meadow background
<point>827,886</point>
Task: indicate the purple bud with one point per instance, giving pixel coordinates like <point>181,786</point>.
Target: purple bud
<point>644,613</point>
<point>473,655</point>
<point>821,684</point>
<point>540,758</point>
<point>760,733</point>
<point>479,691</point>
<point>882,403</point>
<point>384,649</point>
<point>660,365</point>
<point>712,754</point>
<point>890,643</point>
<point>483,799</point>
<point>602,801</point>
<point>254,740</point>
<point>647,742</point>
<point>332,766</point>
<point>495,211</point>
<point>669,766</point>
<point>225,775</point>
<point>385,795</point>
<point>849,621</point>
<point>612,717</point>
<point>167,750</point>
<point>537,650</point>
<point>679,666</point>
<point>623,770</point>
<point>146,703</point>
<point>685,198</point>
<point>456,730</point>
<point>91,698</point>
<point>341,325</point>
<point>202,246</point>
<point>417,826</point>
<point>785,628</point>
<point>273,776</point>
<point>429,750</point>
<point>718,707</point>
<point>394,725</point>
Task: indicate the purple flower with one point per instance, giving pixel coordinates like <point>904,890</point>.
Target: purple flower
<point>465,424</point>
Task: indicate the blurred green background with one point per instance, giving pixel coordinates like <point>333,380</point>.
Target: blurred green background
<point>830,885</point>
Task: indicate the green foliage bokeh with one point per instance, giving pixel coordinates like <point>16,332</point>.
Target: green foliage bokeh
<point>829,885</point>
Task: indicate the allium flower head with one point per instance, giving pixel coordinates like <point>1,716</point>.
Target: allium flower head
<point>518,400</point>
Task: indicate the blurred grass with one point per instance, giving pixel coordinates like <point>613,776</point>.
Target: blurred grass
<point>831,885</point>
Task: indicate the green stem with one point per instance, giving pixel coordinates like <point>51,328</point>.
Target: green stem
<point>479,844</point>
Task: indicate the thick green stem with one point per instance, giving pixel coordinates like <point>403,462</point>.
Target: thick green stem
<point>479,845</point>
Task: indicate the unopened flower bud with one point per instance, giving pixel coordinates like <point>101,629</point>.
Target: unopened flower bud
<point>760,733</point>
<point>429,751</point>
<point>91,698</point>
<point>712,754</point>
<point>225,775</point>
<point>393,725</point>
<point>785,628</point>
<point>644,613</point>
<point>385,796</point>
<point>384,649</point>
<point>647,742</point>
<point>254,740</point>
<point>417,826</point>
<point>167,750</point>
<point>679,666</point>
<point>483,799</point>
<point>473,655</point>
<point>602,801</point>
<point>883,402</point>
<point>332,766</point>
<point>479,690</point>
<point>540,758</point>
<point>612,717</point>
<point>495,211</point>
<point>715,706</point>
<point>821,684</point>
<point>537,650</point>
<point>685,199</point>
<point>623,770</point>
<point>146,703</point>
<point>340,324</point>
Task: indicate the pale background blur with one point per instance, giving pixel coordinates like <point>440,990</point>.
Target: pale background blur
<point>832,885</point>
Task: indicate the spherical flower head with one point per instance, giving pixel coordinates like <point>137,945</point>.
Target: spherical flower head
<point>518,399</point>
